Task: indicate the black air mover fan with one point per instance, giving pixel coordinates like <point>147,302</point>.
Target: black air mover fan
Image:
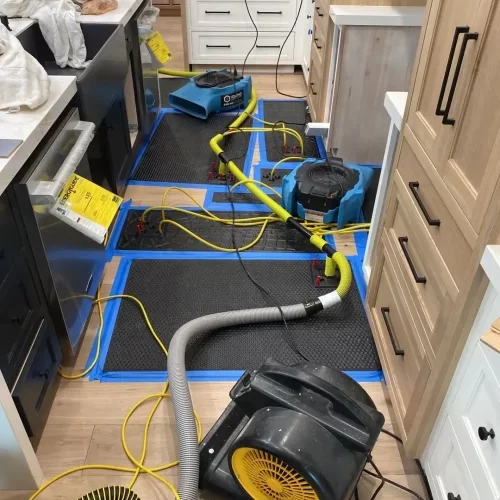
<point>291,433</point>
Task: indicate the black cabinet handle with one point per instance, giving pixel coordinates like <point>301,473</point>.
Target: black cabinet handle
<point>403,240</point>
<point>318,10</point>
<point>274,13</point>
<point>467,37</point>
<point>308,16</point>
<point>316,43</point>
<point>459,30</point>
<point>484,433</point>
<point>413,188</point>
<point>218,46</point>
<point>451,496</point>
<point>268,46</point>
<point>2,253</point>
<point>312,89</point>
<point>217,12</point>
<point>397,350</point>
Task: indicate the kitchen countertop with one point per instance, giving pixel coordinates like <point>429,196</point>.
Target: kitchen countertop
<point>32,125</point>
<point>395,103</point>
<point>18,25</point>
<point>122,15</point>
<point>490,263</point>
<point>361,15</point>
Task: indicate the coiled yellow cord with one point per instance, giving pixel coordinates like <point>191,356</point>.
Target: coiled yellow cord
<point>140,467</point>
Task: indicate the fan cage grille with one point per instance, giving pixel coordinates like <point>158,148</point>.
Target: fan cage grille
<point>266,477</point>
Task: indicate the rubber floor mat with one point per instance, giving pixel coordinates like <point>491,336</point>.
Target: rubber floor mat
<point>277,179</point>
<point>277,236</point>
<point>168,85</point>
<point>294,113</point>
<point>240,198</point>
<point>179,150</point>
<point>177,291</point>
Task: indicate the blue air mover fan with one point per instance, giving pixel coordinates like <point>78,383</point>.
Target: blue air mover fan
<point>326,191</point>
<point>212,92</point>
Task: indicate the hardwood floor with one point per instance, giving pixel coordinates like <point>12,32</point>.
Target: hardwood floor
<point>85,421</point>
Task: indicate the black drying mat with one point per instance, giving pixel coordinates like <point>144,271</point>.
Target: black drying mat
<point>222,197</point>
<point>176,291</point>
<point>293,113</point>
<point>277,179</point>
<point>370,195</point>
<point>168,85</point>
<point>179,150</point>
<point>277,236</point>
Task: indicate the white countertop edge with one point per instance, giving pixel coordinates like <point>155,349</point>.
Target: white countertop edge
<point>395,103</point>
<point>490,262</point>
<point>38,123</point>
<point>360,15</point>
<point>19,24</point>
<point>122,15</point>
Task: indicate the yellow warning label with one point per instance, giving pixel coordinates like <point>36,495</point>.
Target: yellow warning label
<point>158,47</point>
<point>89,200</point>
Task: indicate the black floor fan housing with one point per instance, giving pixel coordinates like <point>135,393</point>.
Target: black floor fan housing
<point>303,431</point>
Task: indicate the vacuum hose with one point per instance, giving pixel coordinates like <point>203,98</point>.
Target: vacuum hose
<point>181,398</point>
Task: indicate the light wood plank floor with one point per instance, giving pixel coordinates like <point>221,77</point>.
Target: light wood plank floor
<point>85,421</point>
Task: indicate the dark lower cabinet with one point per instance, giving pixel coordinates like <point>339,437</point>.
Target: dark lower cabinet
<point>36,385</point>
<point>30,352</point>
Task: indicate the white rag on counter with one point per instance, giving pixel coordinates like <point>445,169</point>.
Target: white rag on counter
<point>58,20</point>
<point>23,81</point>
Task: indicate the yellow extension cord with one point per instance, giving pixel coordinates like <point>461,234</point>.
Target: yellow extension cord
<point>319,229</point>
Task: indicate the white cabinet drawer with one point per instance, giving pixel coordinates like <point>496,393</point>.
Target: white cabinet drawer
<point>278,15</point>
<point>448,468</point>
<point>232,48</point>
<point>475,411</point>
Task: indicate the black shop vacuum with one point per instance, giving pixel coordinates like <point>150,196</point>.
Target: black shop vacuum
<point>301,432</point>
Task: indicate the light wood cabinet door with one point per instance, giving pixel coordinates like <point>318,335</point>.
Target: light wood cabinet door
<point>444,39</point>
<point>472,165</point>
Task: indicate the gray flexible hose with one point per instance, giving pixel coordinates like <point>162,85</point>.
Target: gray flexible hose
<point>181,398</point>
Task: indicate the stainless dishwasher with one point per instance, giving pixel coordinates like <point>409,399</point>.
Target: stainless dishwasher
<point>70,264</point>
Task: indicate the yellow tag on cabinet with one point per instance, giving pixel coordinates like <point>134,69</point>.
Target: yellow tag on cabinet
<point>89,200</point>
<point>159,47</point>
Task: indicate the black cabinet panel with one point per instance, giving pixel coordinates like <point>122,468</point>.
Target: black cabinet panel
<point>35,389</point>
<point>10,241</point>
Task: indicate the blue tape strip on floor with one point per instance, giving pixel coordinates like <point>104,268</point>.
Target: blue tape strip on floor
<point>111,314</point>
<point>111,309</point>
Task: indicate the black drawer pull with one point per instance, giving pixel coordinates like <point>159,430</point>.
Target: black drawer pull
<point>397,350</point>
<point>316,43</point>
<point>451,496</point>
<point>217,12</point>
<point>312,89</point>
<point>484,433</point>
<point>218,46</point>
<point>403,240</point>
<point>459,30</point>
<point>268,46</point>
<point>467,37</point>
<point>413,188</point>
<point>275,13</point>
<point>318,10</point>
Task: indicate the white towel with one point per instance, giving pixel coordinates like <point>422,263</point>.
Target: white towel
<point>23,81</point>
<point>58,20</point>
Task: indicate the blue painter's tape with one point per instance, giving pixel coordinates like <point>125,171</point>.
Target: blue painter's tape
<point>361,240</point>
<point>206,255</point>
<point>215,376</point>
<point>109,320</point>
<point>321,147</point>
